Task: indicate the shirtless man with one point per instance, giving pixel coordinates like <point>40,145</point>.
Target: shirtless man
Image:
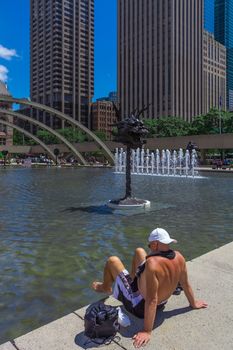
<point>152,281</point>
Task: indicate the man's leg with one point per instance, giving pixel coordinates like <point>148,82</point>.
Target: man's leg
<point>112,269</point>
<point>139,257</point>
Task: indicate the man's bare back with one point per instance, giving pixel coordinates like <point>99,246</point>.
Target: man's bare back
<point>168,273</point>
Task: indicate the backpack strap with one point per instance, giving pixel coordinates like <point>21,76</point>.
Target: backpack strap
<point>104,341</point>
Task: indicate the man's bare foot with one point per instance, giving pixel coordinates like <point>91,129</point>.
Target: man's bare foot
<point>99,287</point>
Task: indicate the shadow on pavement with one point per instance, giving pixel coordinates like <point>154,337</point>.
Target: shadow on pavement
<point>137,324</point>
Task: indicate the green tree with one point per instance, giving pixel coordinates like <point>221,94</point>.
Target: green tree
<point>151,125</point>
<point>47,137</point>
<point>212,122</point>
<point>227,122</point>
<point>73,135</point>
<point>101,135</point>
<point>19,139</point>
<point>172,126</point>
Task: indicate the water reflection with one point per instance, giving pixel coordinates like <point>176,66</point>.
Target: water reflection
<point>56,232</point>
<point>101,209</point>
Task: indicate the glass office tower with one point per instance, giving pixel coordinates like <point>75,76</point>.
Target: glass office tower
<point>223,32</point>
<point>209,15</point>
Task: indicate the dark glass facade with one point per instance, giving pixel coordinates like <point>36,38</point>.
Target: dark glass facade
<point>223,32</point>
<point>209,15</point>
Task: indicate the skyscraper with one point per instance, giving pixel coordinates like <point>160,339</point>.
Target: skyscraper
<point>223,32</point>
<point>160,55</point>
<point>62,57</point>
<point>214,69</point>
<point>209,15</point>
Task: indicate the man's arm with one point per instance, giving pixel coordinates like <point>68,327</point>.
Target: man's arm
<point>195,304</point>
<point>151,301</point>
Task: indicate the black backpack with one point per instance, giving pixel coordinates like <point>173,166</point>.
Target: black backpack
<point>101,323</point>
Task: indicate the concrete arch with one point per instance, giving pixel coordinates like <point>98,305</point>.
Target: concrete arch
<point>43,126</point>
<point>43,145</point>
<point>63,116</point>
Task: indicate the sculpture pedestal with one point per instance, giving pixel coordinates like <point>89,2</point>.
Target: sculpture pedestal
<point>129,203</point>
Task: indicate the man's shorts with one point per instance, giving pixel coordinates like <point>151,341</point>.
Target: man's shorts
<point>126,291</point>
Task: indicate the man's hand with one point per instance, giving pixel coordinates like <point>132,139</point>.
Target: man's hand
<point>141,339</point>
<point>199,304</point>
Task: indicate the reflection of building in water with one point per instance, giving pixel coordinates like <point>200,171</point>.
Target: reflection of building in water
<point>6,133</point>
<point>214,67</point>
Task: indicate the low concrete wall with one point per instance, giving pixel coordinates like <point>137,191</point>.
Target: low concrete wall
<point>16,149</point>
<point>224,141</point>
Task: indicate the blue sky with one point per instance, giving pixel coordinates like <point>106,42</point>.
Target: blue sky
<point>209,15</point>
<point>14,35</point>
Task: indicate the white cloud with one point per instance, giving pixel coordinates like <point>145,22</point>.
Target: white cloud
<point>3,73</point>
<point>7,54</point>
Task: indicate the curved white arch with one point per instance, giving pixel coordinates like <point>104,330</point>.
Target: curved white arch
<point>43,126</point>
<point>63,116</point>
<point>43,145</point>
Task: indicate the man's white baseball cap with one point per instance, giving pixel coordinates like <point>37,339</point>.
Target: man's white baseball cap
<point>161,235</point>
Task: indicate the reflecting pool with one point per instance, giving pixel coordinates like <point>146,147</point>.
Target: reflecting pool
<point>56,233</point>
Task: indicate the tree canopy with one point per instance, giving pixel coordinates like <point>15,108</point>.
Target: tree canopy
<point>214,122</point>
<point>71,134</point>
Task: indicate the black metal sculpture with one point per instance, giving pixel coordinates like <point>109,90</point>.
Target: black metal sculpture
<point>131,132</point>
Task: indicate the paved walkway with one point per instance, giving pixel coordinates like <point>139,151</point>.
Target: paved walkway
<point>177,327</point>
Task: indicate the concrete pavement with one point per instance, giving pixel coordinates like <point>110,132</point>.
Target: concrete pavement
<point>178,327</point>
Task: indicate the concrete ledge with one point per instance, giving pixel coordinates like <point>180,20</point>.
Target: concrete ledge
<point>178,327</point>
<point>7,346</point>
<point>65,333</point>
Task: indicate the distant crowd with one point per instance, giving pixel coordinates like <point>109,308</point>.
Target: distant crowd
<point>43,160</point>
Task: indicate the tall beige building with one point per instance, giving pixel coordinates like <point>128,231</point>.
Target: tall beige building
<point>62,57</point>
<point>214,66</point>
<point>160,55</point>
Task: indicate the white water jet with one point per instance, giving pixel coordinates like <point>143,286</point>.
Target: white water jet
<point>168,158</point>
<point>116,160</point>
<point>174,160</point>
<point>142,160</point>
<point>163,161</point>
<point>187,162</point>
<point>157,161</point>
<point>181,156</point>
<point>166,163</point>
<point>152,163</point>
